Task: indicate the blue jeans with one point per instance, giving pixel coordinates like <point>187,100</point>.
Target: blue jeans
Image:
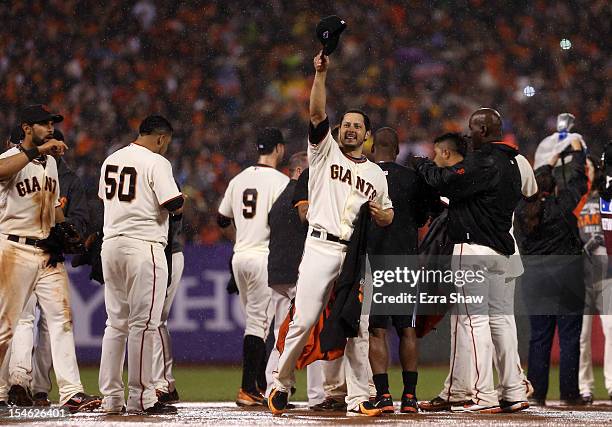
<point>542,333</point>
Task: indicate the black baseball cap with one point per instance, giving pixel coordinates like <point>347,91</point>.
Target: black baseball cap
<point>38,114</point>
<point>267,139</point>
<point>328,32</point>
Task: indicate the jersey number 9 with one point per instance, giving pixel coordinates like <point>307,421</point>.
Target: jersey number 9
<point>111,183</point>
<point>249,200</point>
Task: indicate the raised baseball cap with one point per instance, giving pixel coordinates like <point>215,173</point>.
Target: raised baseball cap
<point>268,138</point>
<point>328,32</point>
<point>38,113</point>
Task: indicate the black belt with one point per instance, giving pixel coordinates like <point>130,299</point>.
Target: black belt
<point>28,241</point>
<point>330,237</point>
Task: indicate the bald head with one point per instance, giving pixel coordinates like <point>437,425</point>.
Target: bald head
<point>485,126</point>
<point>385,145</point>
<point>297,164</point>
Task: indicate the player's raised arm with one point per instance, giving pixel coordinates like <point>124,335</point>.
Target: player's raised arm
<point>318,93</point>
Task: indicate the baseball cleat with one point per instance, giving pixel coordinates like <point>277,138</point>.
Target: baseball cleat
<point>160,409</point>
<point>168,398</point>
<point>246,398</point>
<point>365,409</point>
<point>330,404</point>
<point>510,407</point>
<point>277,402</point>
<point>409,404</point>
<point>476,408</point>
<point>82,402</point>
<point>384,403</point>
<point>438,404</point>
<point>41,399</point>
<point>587,399</point>
<point>20,396</point>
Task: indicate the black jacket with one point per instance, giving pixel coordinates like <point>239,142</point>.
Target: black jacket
<point>483,189</point>
<point>73,198</point>
<point>557,233</point>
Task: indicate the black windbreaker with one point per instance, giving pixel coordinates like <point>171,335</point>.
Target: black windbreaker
<point>483,189</point>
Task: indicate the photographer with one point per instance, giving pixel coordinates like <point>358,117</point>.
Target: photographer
<point>552,284</point>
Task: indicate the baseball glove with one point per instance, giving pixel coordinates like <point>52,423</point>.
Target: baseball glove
<point>63,239</point>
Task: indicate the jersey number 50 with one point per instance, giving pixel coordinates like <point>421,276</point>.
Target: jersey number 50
<point>111,182</point>
<point>249,200</point>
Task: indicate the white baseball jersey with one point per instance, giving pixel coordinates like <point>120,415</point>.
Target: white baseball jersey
<point>248,200</point>
<point>339,184</point>
<point>28,199</point>
<point>135,183</point>
<point>529,185</point>
<point>552,145</point>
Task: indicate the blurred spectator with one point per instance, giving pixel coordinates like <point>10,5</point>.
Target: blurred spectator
<point>219,69</point>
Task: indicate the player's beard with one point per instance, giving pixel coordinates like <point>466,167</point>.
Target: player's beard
<point>38,141</point>
<point>352,144</point>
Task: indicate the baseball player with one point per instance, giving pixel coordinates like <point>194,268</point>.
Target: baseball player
<point>30,216</point>
<point>26,365</point>
<point>139,195</point>
<point>247,201</point>
<point>165,384</point>
<point>513,386</point>
<point>483,190</point>
<point>341,180</point>
<point>412,200</point>
<point>287,236</point>
<point>598,297</point>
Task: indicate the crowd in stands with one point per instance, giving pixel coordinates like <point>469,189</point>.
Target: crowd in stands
<point>219,70</point>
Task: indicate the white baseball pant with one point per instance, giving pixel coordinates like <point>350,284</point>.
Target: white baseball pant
<point>281,300</point>
<point>4,384</point>
<point>320,267</point>
<point>251,273</point>
<point>135,275</point>
<point>162,345</point>
<point>52,291</point>
<point>472,364</point>
<point>31,364</point>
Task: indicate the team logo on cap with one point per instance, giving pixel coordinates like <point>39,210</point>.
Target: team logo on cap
<point>326,34</point>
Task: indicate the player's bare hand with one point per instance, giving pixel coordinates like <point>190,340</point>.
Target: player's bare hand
<point>53,147</point>
<point>382,217</point>
<point>321,62</point>
<point>576,144</point>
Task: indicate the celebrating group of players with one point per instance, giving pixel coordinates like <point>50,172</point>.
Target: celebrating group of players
<point>277,258</point>
<point>44,215</point>
<point>298,244</point>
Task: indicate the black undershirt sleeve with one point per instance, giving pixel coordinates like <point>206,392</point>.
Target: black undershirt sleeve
<point>316,134</point>
<point>223,221</point>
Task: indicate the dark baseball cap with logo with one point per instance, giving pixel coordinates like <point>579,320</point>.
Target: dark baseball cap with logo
<point>268,139</point>
<point>38,114</point>
<point>328,32</point>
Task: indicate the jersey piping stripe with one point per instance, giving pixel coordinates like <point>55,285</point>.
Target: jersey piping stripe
<point>363,159</point>
<point>146,329</point>
<point>450,384</point>
<point>473,342</point>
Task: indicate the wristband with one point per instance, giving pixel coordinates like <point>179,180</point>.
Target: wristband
<point>32,153</point>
